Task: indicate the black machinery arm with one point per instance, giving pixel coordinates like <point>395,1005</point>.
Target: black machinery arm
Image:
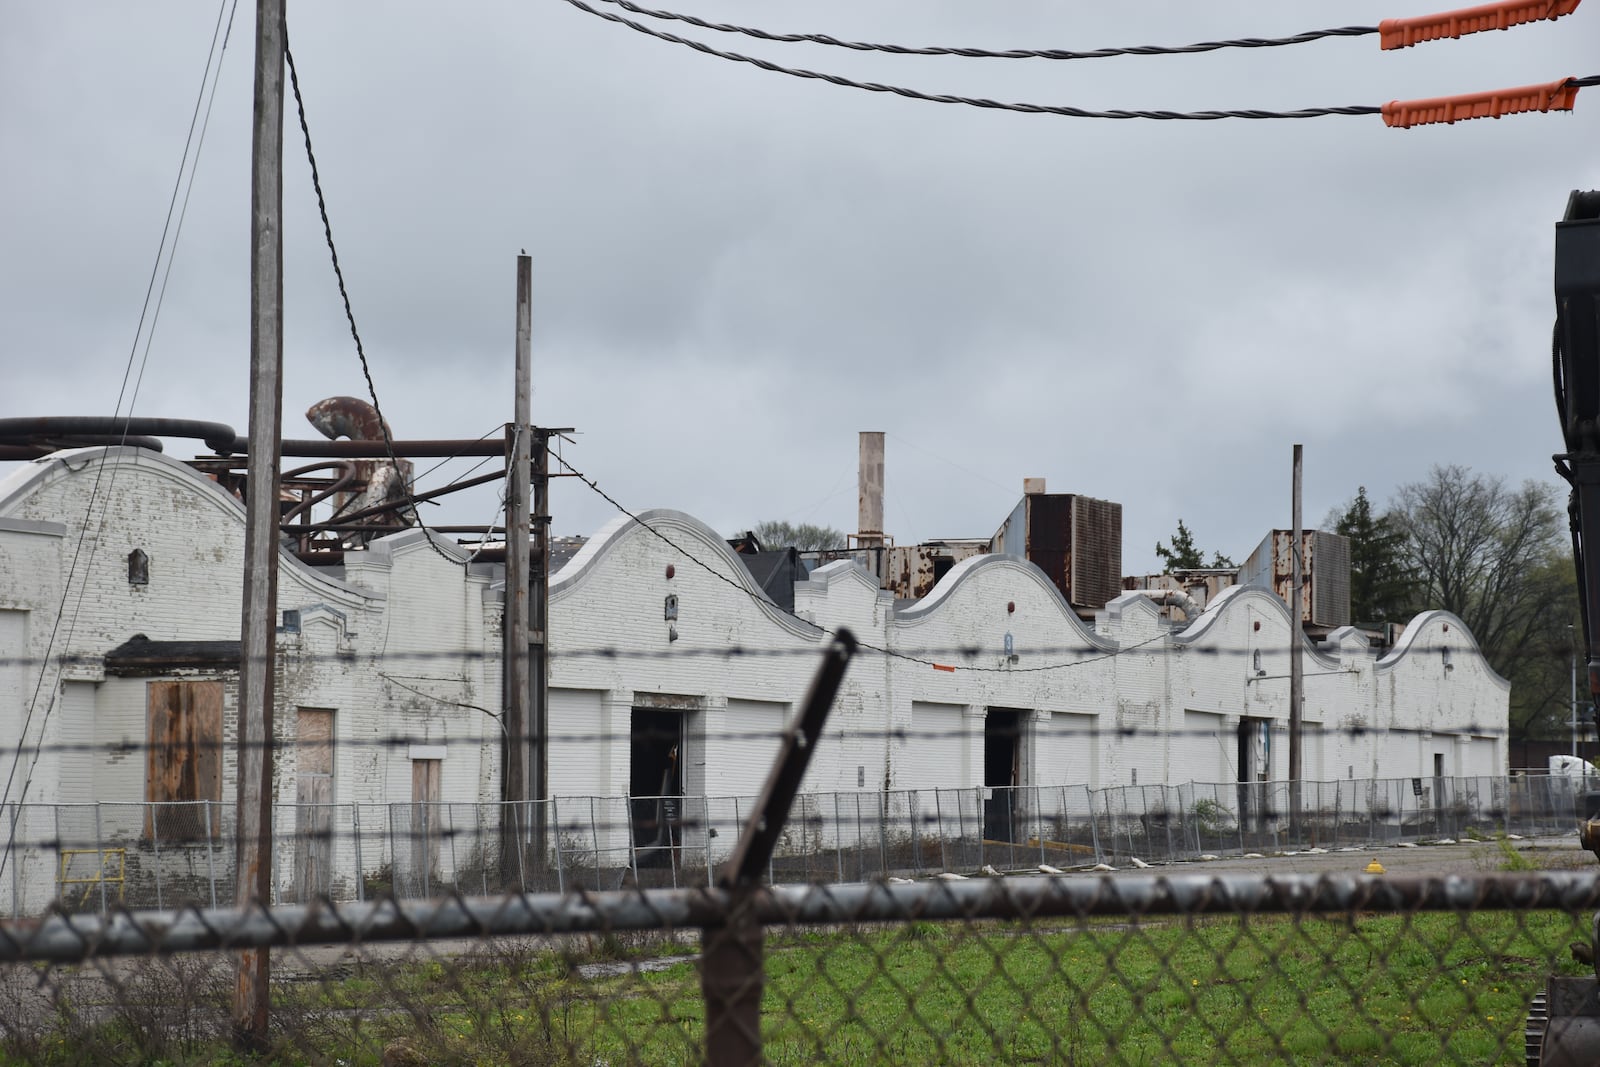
<point>1577,384</point>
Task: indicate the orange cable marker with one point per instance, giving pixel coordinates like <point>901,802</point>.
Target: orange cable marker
<point>942,667</point>
<point>1556,96</point>
<point>1403,33</point>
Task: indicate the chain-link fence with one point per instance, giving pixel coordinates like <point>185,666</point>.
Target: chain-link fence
<point>941,926</point>
<point>97,856</point>
<point>1041,969</point>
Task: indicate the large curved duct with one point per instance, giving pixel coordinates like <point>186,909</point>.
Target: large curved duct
<point>107,429</point>
<point>1174,598</point>
<point>383,482</point>
<point>348,416</point>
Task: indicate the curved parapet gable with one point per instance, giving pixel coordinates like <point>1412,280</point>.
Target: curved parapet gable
<point>1428,631</point>
<point>695,545</point>
<point>1215,620</point>
<point>949,588</point>
<point>40,475</point>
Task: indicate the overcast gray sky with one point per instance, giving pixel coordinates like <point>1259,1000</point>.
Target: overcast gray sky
<point>735,271</point>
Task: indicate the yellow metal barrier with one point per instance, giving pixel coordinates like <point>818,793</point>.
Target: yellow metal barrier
<point>100,876</point>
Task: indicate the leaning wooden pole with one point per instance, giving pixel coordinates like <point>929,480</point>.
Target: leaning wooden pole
<point>258,625</point>
<point>1297,599</point>
<point>514,824</point>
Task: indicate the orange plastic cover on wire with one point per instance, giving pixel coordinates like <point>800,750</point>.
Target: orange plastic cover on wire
<point>1556,96</point>
<point>1403,33</point>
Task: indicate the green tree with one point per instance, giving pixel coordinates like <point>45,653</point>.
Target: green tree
<point>805,537</point>
<point>1184,555</point>
<point>1382,586</point>
<point>1494,556</point>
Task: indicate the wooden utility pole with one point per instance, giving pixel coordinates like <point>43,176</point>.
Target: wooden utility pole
<point>539,652</point>
<point>253,872</point>
<point>1296,640</point>
<point>520,445</point>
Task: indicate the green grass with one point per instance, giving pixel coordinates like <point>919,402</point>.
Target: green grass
<point>1368,990</point>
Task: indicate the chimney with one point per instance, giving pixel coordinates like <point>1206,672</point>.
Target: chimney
<point>869,522</point>
<point>1033,487</point>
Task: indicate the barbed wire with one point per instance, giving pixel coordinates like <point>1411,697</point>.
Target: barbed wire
<point>1063,723</point>
<point>920,654</point>
<point>1006,53</point>
<point>1089,656</point>
<point>970,101</point>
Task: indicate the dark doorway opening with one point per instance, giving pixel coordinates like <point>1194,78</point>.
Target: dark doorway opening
<point>1002,750</point>
<point>655,782</point>
<point>1254,771</point>
<point>1439,800</point>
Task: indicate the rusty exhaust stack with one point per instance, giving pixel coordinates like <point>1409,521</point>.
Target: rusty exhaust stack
<point>869,520</point>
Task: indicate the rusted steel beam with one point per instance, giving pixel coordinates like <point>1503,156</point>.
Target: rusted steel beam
<point>380,509</point>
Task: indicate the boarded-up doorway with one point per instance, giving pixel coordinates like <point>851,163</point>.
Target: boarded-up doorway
<point>425,823</point>
<point>1002,763</point>
<point>313,813</point>
<point>183,767</point>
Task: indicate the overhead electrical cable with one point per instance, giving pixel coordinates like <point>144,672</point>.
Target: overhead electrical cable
<point>989,53</point>
<point>344,295</point>
<point>188,161</point>
<point>758,596</point>
<point>1394,33</point>
<point>1555,96</point>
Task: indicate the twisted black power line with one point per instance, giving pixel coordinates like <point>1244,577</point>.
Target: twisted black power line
<point>972,101</point>
<point>1004,53</point>
<point>333,253</point>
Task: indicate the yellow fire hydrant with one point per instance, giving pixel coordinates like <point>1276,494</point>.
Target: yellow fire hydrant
<point>1374,867</point>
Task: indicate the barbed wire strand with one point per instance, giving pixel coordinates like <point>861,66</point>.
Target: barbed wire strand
<point>762,598</point>
<point>971,101</point>
<point>1063,724</point>
<point>749,652</point>
<point>1004,53</point>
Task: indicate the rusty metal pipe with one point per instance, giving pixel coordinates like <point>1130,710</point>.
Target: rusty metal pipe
<point>347,473</point>
<point>379,509</point>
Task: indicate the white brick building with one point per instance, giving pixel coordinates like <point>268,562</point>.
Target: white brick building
<point>650,651</point>
<point>1132,700</point>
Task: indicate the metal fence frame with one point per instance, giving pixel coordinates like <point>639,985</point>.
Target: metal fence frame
<point>842,837</point>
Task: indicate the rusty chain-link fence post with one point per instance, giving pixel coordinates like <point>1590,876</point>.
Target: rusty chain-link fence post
<point>733,964</point>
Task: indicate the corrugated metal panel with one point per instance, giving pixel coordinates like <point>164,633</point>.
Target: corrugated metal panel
<point>940,748</point>
<point>1049,542</point>
<point>744,754</point>
<point>1325,600</point>
<point>1330,601</point>
<point>575,751</point>
<point>1096,563</point>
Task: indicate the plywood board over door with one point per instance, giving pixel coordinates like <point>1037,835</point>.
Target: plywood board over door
<point>183,765</point>
<point>425,818</point>
<point>313,817</point>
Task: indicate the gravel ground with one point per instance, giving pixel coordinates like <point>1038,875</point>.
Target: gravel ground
<point>1466,857</point>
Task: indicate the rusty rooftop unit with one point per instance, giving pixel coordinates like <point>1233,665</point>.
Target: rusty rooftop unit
<point>1076,540</point>
<point>1326,596</point>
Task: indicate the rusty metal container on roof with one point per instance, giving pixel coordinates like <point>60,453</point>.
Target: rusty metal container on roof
<point>1325,600</point>
<point>1076,540</point>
